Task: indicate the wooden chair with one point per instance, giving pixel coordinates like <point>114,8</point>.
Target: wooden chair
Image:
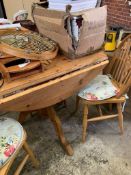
<point>119,69</point>
<point>5,168</point>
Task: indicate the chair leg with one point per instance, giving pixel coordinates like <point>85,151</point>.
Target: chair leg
<point>22,164</point>
<point>99,110</point>
<point>77,104</point>
<point>22,117</point>
<point>85,122</point>
<point>31,155</point>
<point>65,103</point>
<point>120,117</point>
<point>110,107</point>
<point>76,107</point>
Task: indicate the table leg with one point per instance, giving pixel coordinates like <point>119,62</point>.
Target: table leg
<point>57,124</point>
<point>22,116</point>
<point>43,114</point>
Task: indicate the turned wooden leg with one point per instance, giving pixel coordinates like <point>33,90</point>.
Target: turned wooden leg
<point>43,114</point>
<point>110,107</point>
<point>99,110</point>
<point>85,122</point>
<point>31,155</point>
<point>22,164</point>
<point>120,117</point>
<point>76,105</point>
<point>57,124</point>
<point>22,116</point>
<point>65,103</point>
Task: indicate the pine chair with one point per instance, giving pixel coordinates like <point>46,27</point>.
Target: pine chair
<point>119,70</point>
<point>12,139</point>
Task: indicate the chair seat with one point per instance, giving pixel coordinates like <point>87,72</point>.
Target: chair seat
<point>109,100</point>
<point>11,137</point>
<point>100,88</point>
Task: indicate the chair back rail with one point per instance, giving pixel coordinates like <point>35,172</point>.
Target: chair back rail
<point>120,66</point>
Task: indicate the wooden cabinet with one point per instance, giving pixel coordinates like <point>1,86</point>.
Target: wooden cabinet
<point>12,7</point>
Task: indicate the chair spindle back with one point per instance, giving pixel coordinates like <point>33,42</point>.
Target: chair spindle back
<point>120,65</point>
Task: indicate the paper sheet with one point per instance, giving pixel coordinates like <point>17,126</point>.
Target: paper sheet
<point>10,26</point>
<point>24,64</point>
<point>77,5</point>
<point>5,21</point>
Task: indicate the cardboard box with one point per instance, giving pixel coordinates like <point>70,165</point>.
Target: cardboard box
<point>52,24</point>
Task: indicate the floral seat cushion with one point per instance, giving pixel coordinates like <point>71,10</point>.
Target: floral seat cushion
<point>100,88</point>
<point>11,135</point>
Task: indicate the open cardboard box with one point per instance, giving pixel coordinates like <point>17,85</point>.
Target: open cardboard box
<point>51,23</point>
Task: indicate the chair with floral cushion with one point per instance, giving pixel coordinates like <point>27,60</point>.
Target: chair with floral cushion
<point>12,139</point>
<point>110,88</point>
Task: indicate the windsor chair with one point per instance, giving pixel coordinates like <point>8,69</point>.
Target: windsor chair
<point>119,70</point>
<point>12,139</point>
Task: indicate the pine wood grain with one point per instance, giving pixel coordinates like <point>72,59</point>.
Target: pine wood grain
<point>52,92</point>
<point>59,67</point>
